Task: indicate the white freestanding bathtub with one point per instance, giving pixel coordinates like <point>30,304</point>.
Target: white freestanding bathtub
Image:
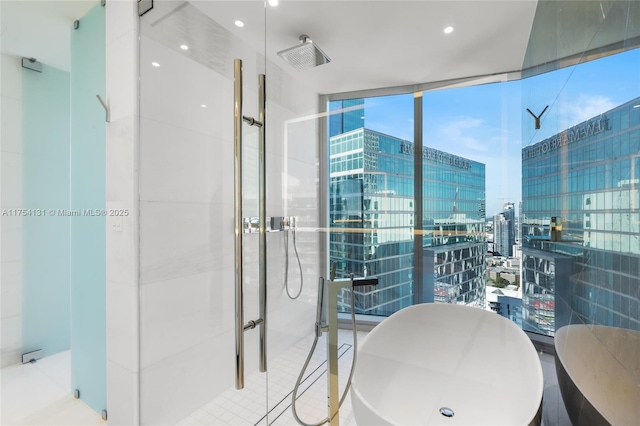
<point>598,371</point>
<point>432,357</point>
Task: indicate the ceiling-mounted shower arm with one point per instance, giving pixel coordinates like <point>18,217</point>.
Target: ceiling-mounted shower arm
<point>305,55</point>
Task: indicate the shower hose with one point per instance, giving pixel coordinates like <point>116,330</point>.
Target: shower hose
<point>306,364</point>
<point>286,265</point>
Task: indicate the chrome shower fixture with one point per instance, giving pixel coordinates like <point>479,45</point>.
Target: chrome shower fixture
<point>305,55</point>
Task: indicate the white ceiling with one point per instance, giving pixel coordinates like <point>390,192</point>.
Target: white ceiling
<point>372,44</point>
<point>41,29</point>
<point>378,44</point>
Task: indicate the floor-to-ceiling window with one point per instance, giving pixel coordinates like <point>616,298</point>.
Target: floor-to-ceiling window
<point>528,196</point>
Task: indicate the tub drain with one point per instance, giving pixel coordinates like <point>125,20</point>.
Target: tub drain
<point>447,412</point>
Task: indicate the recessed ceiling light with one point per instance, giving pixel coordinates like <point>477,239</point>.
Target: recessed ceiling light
<point>203,106</point>
<point>239,24</point>
<point>273,2</point>
<point>184,47</point>
<point>155,64</point>
<point>448,30</point>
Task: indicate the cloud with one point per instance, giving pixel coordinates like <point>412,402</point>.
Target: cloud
<point>463,132</point>
<point>583,108</point>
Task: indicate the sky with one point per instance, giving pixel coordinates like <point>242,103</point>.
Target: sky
<point>490,124</point>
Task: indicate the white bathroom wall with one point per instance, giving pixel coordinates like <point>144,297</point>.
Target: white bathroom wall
<point>11,198</point>
<point>122,193</point>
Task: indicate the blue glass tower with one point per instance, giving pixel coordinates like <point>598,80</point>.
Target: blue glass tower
<point>345,116</point>
<point>372,213</point>
<point>581,224</point>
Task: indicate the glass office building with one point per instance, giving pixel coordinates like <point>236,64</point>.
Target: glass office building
<point>580,225</point>
<point>504,230</point>
<point>372,222</point>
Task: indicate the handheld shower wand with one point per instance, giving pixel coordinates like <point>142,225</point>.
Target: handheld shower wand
<point>292,225</point>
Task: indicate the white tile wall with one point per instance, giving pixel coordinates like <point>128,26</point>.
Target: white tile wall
<point>122,59</point>
<point>11,329</point>
<point>121,164</point>
<point>11,289</point>
<point>122,395</point>
<point>11,166</point>
<point>11,86</point>
<point>181,165</point>
<point>11,197</point>
<point>123,391</point>
<point>181,313</point>
<point>11,250</point>
<point>186,95</point>
<point>122,325</point>
<point>183,239</point>
<point>11,114</point>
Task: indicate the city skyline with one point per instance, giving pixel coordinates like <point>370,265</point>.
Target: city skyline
<point>489,123</point>
<point>372,191</point>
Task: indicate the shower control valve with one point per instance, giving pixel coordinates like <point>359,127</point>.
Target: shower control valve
<point>250,225</point>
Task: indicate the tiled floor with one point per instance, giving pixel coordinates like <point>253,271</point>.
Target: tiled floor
<point>311,405</point>
<point>40,394</point>
<point>247,407</point>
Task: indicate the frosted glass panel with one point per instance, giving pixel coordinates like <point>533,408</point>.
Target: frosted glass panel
<point>45,185</point>
<point>88,286</point>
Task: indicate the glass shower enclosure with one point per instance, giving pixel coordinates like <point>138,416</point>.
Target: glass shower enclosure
<point>188,224</point>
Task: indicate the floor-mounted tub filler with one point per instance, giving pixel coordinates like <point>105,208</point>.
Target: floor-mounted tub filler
<point>327,322</point>
<point>442,364</point>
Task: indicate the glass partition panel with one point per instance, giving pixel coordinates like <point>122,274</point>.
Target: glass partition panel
<point>53,217</point>
<point>580,230</point>
<point>88,229</point>
<point>46,301</point>
<point>187,232</point>
<point>471,173</point>
<point>371,199</point>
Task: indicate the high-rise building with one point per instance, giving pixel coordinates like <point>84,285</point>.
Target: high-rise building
<point>505,302</point>
<point>345,116</point>
<point>372,203</point>
<point>504,230</point>
<point>581,224</point>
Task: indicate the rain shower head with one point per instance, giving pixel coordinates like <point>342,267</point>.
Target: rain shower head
<point>305,55</point>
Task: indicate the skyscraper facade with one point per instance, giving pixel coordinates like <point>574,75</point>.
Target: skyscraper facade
<point>504,230</point>
<point>581,224</point>
<point>345,116</point>
<point>372,211</point>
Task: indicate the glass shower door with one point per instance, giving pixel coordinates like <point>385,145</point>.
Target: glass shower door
<point>187,231</point>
